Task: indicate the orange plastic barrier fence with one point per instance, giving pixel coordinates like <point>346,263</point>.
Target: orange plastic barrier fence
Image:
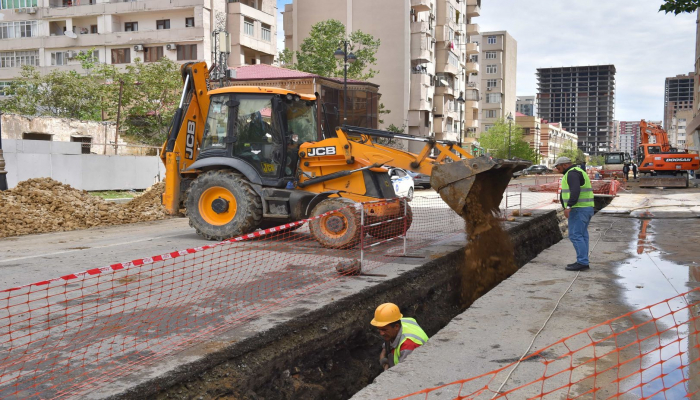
<point>69,335</point>
<point>650,353</point>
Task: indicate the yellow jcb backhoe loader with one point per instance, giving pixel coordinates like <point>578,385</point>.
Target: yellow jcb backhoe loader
<point>241,158</point>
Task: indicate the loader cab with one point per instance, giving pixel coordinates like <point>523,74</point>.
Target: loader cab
<point>263,130</point>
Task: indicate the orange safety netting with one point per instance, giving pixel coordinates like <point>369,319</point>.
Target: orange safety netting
<point>65,336</point>
<point>649,353</point>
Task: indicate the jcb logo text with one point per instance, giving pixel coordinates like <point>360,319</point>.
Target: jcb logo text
<point>321,151</point>
<point>189,139</point>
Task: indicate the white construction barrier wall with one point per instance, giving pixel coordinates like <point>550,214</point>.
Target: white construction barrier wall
<point>63,161</point>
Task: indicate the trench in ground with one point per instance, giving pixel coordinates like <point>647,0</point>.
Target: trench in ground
<point>332,353</point>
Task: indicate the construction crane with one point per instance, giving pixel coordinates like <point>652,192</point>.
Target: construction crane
<point>241,158</point>
<point>659,164</point>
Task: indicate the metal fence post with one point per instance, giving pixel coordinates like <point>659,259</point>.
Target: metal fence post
<point>405,223</point>
<point>362,234</point>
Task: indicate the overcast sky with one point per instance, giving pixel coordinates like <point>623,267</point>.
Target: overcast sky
<point>644,45</point>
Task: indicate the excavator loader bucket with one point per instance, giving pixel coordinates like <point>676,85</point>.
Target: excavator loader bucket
<point>474,182</point>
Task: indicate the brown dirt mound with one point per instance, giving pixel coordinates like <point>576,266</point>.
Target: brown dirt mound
<point>489,256</point>
<point>43,205</point>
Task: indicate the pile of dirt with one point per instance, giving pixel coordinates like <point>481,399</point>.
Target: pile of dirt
<point>43,205</point>
<point>489,256</point>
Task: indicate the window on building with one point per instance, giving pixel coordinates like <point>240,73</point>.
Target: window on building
<point>474,58</point>
<point>93,28</point>
<point>131,26</point>
<point>152,54</point>
<point>491,69</point>
<point>491,40</point>
<point>266,32</point>
<point>189,22</point>
<point>162,24</point>
<point>450,34</point>
<point>491,83</point>
<point>249,27</point>
<point>487,127</point>
<point>186,52</point>
<point>18,29</point>
<point>452,59</point>
<point>10,4</point>
<point>11,59</point>
<point>427,119</point>
<point>493,98</point>
<point>59,58</point>
<point>121,56</point>
<point>490,113</point>
<point>5,88</point>
<point>490,55</point>
<point>86,143</point>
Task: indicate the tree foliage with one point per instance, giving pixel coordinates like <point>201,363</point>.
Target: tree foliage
<point>150,92</point>
<point>574,153</point>
<point>316,52</point>
<point>495,141</point>
<point>679,6</point>
<point>597,160</point>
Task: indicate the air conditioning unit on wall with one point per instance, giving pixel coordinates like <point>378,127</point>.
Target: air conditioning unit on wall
<point>138,47</point>
<point>171,46</point>
<point>31,10</point>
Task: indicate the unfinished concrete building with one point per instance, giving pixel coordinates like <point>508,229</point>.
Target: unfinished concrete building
<point>582,99</point>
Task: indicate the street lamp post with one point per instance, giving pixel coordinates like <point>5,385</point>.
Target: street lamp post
<point>347,58</point>
<point>510,130</point>
<point>3,173</point>
<point>460,100</point>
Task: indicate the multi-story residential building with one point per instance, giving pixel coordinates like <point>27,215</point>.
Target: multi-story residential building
<point>531,130</point>
<point>678,96</point>
<point>677,135</point>
<point>582,99</point>
<point>629,136</point>
<point>554,140</point>
<point>497,65</point>
<point>693,127</point>
<point>49,34</point>
<point>423,61</point>
<point>615,137</point>
<point>526,105</point>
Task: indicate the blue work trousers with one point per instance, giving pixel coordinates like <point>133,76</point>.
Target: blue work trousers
<point>579,218</point>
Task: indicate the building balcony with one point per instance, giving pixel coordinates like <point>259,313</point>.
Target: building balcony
<point>471,104</point>
<point>471,123</point>
<point>57,9</point>
<point>473,11</point>
<point>421,48</point>
<point>420,92</point>
<point>471,68</point>
<point>420,5</point>
<point>447,62</point>
<point>158,36</point>
<point>421,27</point>
<point>472,48</point>
<point>444,91</point>
<point>473,29</point>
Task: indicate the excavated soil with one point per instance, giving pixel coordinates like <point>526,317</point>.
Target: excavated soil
<point>44,205</point>
<point>489,257</point>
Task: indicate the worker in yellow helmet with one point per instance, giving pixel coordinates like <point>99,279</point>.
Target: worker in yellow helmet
<point>401,335</point>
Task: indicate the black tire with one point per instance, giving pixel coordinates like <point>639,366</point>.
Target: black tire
<point>410,194</point>
<point>339,230</point>
<point>248,207</point>
<point>393,228</point>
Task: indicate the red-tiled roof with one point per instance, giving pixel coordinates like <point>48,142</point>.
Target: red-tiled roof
<point>519,114</point>
<point>265,71</point>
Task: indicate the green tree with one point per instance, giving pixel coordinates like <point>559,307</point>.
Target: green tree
<point>679,6</point>
<point>597,160</point>
<point>316,52</point>
<point>574,153</point>
<point>497,138</point>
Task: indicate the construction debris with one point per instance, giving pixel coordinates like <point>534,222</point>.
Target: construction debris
<point>43,205</point>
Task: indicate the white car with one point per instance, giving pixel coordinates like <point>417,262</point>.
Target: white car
<point>403,183</point>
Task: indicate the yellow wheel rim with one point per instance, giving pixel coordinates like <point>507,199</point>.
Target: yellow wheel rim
<point>334,226</point>
<point>211,202</point>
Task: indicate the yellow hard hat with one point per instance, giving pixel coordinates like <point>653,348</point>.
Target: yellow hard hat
<point>386,314</point>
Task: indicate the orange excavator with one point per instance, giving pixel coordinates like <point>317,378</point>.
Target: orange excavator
<point>245,157</point>
<point>659,164</point>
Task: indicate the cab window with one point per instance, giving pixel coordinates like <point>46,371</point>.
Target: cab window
<point>654,149</point>
<point>216,128</point>
<point>301,120</point>
<point>257,138</point>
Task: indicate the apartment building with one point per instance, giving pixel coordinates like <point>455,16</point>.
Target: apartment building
<point>581,98</point>
<point>629,136</point>
<point>423,59</point>
<point>49,34</point>
<point>497,63</point>
<point>532,132</point>
<point>678,96</point>
<point>677,135</point>
<point>554,139</point>
<point>693,126</point>
<point>615,137</point>
<point>526,105</point>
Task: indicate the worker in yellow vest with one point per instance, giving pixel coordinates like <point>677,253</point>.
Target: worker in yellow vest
<point>401,335</point>
<point>577,199</point>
